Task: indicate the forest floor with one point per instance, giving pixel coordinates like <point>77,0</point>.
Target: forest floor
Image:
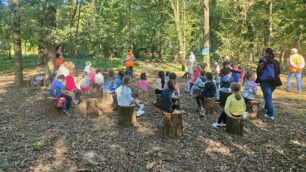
<point>33,141</point>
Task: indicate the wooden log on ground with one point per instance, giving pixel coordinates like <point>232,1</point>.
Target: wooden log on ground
<point>50,107</point>
<point>127,116</point>
<point>92,109</point>
<point>223,97</point>
<point>173,125</point>
<point>252,109</point>
<point>210,105</point>
<point>234,125</point>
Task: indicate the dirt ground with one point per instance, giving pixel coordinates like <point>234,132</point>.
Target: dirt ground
<point>33,141</point>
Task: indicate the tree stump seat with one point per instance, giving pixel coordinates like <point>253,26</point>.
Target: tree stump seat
<point>223,98</point>
<point>51,108</point>
<point>252,108</point>
<point>210,105</point>
<point>173,125</point>
<point>127,116</point>
<point>234,125</point>
<point>28,83</point>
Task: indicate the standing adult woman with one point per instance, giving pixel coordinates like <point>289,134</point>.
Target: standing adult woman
<point>268,71</point>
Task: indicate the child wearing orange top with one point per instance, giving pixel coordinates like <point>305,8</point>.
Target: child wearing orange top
<point>59,60</point>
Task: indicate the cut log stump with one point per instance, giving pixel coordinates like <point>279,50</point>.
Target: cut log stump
<point>92,109</point>
<point>50,107</point>
<point>28,83</point>
<point>173,125</point>
<point>223,97</point>
<point>252,109</point>
<point>127,116</point>
<point>234,125</point>
<point>106,103</point>
<point>210,105</point>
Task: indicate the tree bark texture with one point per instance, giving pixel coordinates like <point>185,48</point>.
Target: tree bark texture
<point>17,44</point>
<point>173,125</point>
<point>206,59</point>
<point>234,125</point>
<point>127,116</point>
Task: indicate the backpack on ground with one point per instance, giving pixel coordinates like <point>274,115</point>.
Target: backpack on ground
<point>268,72</point>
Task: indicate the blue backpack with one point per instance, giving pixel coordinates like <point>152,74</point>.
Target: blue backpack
<point>268,72</point>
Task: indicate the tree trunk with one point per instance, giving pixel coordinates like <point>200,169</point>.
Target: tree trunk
<point>180,31</point>
<point>77,29</point>
<point>206,58</point>
<point>50,42</point>
<point>269,24</point>
<point>92,108</point>
<point>17,44</point>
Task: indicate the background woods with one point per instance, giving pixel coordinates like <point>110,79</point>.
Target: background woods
<point>156,29</point>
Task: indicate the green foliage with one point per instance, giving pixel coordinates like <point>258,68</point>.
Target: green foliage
<point>95,28</point>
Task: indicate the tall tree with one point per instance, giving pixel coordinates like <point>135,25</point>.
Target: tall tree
<point>269,23</point>
<point>206,57</point>
<point>17,43</point>
<point>179,23</point>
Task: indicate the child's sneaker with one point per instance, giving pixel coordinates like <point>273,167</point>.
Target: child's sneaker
<point>76,102</point>
<point>202,112</point>
<point>67,112</point>
<point>139,112</point>
<point>217,125</point>
<point>269,117</point>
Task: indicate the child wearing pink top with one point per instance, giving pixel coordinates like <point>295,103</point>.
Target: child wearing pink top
<point>91,76</point>
<point>70,86</point>
<point>143,85</point>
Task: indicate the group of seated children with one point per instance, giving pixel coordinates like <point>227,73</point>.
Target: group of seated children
<point>211,84</point>
<point>168,92</point>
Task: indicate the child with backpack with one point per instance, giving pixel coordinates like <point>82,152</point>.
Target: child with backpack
<point>198,84</point>
<point>143,85</point>
<point>234,106</point>
<point>209,91</point>
<point>57,90</point>
<point>225,82</point>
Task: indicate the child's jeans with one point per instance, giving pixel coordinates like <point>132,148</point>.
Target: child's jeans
<point>226,90</point>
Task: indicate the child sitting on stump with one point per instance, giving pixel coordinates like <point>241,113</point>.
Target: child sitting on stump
<point>234,106</point>
<point>99,79</point>
<point>71,86</point>
<point>167,102</point>
<point>57,90</point>
<point>160,85</point>
<point>209,91</point>
<point>225,82</point>
<point>250,87</point>
<point>124,94</point>
<point>198,84</point>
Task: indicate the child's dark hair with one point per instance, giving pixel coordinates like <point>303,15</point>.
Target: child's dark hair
<point>61,77</point>
<point>209,76</point>
<point>226,71</point>
<point>121,74</point>
<point>235,88</point>
<point>111,73</point>
<point>57,55</point>
<point>226,63</point>
<point>270,52</point>
<point>171,85</point>
<point>161,75</point>
<point>126,80</point>
<point>167,73</point>
<point>99,71</point>
<point>172,76</point>
<point>202,73</point>
<point>143,76</point>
